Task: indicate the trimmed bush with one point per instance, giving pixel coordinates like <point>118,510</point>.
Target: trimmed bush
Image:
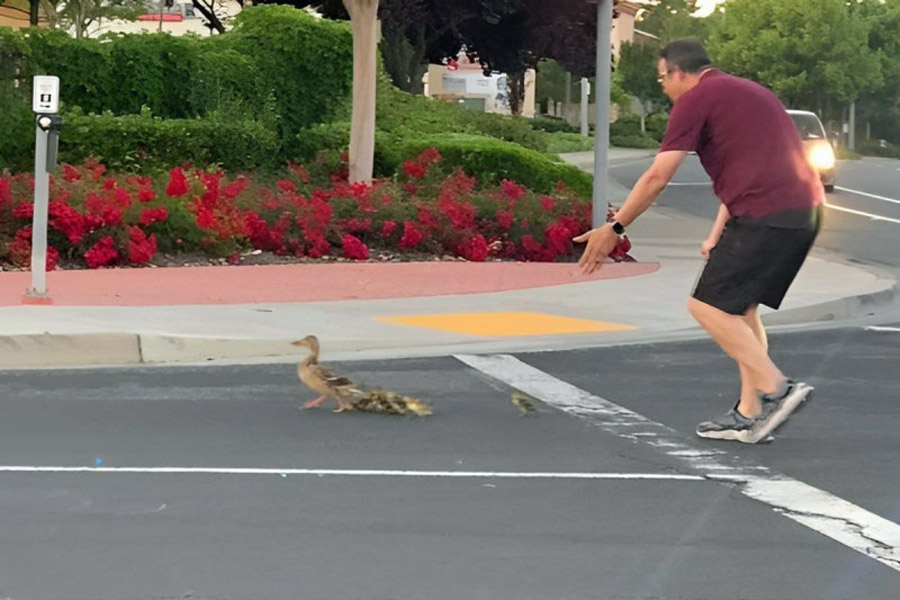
<point>81,65</point>
<point>874,148</point>
<point>561,142</point>
<point>656,125</point>
<point>626,125</point>
<point>405,115</point>
<point>307,63</point>
<point>552,125</point>
<point>491,160</point>
<point>142,142</point>
<point>633,141</point>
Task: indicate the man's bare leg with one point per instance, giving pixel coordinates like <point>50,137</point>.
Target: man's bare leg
<point>750,405</point>
<point>736,335</point>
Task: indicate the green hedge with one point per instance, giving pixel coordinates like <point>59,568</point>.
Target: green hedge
<point>306,62</point>
<point>553,125</point>
<point>405,115</point>
<point>144,142</point>
<point>874,148</point>
<point>633,141</point>
<point>492,160</point>
<point>302,63</point>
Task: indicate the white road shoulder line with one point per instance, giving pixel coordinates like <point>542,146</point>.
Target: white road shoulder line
<point>860,213</point>
<point>838,519</point>
<point>868,195</point>
<point>350,472</point>
<point>877,328</point>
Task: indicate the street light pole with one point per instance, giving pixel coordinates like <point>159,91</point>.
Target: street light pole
<point>601,128</point>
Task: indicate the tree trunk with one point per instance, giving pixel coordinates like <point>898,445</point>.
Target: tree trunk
<point>209,13</point>
<point>364,22</point>
<point>515,82</point>
<point>34,12</point>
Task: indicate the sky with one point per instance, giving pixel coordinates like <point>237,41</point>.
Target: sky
<point>705,7</point>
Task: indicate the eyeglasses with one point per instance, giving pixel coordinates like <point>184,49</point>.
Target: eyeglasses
<point>661,77</point>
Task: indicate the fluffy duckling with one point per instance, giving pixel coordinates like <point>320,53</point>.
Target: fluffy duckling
<point>391,403</point>
<point>322,381</point>
<point>523,402</point>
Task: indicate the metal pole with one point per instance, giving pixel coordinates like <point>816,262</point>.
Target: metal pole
<point>585,98</point>
<point>39,223</point>
<point>601,127</point>
<point>853,125</point>
<point>162,6</point>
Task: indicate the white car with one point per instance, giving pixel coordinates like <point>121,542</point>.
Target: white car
<point>819,152</point>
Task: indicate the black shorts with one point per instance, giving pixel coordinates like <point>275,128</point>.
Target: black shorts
<point>756,260</point>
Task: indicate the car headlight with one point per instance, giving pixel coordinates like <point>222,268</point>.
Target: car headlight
<point>821,157</point>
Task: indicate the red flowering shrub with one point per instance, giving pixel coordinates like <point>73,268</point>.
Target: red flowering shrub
<point>354,248</point>
<point>474,249</point>
<point>102,253</point>
<point>177,185</point>
<point>108,219</point>
<point>412,236</point>
<point>141,248</point>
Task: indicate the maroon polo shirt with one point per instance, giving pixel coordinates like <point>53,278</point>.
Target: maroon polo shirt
<point>748,145</point>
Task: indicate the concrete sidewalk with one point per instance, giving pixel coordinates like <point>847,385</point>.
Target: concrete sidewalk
<point>194,315</point>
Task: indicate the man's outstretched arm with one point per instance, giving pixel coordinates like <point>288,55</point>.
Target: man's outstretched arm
<point>602,240</point>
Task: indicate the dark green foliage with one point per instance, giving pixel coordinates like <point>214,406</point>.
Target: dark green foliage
<point>139,142</point>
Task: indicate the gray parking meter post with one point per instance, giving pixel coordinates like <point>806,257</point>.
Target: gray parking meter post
<point>48,123</point>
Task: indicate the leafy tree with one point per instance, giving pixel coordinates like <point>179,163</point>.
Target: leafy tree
<point>636,73</point>
<point>672,19</point>
<point>880,105</point>
<point>78,15</point>
<point>813,54</point>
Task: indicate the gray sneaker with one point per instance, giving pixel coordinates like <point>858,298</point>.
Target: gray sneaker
<point>775,411</point>
<point>730,426</point>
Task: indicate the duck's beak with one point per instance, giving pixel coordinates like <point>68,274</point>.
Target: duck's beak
<point>299,343</point>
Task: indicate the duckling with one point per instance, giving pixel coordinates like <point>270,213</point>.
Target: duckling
<point>523,402</point>
<point>389,402</point>
<point>321,380</point>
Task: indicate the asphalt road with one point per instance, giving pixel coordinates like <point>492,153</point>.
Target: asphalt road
<point>507,530</point>
<point>869,187</point>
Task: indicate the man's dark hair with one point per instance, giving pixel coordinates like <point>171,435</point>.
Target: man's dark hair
<point>687,54</point>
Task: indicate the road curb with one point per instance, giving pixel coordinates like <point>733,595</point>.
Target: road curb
<point>129,349</point>
<point>65,350</point>
<point>850,307</point>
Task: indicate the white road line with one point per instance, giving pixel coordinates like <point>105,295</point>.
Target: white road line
<point>861,213</point>
<point>843,189</point>
<point>877,328</point>
<point>349,472</point>
<point>855,527</point>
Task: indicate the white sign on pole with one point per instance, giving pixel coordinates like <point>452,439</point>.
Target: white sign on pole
<point>45,99</point>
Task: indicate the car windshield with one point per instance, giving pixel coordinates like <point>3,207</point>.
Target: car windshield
<point>809,126</point>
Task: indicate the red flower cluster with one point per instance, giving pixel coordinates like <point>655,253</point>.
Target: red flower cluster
<point>141,249</point>
<point>475,249</point>
<point>412,235</point>
<point>354,248</point>
<point>102,254</point>
<point>177,185</point>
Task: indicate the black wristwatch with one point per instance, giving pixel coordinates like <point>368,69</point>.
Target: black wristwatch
<point>618,228</point>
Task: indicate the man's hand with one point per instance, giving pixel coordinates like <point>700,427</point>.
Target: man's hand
<point>600,242</point>
<point>707,246</point>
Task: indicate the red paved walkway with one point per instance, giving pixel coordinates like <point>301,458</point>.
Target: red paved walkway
<point>299,283</point>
